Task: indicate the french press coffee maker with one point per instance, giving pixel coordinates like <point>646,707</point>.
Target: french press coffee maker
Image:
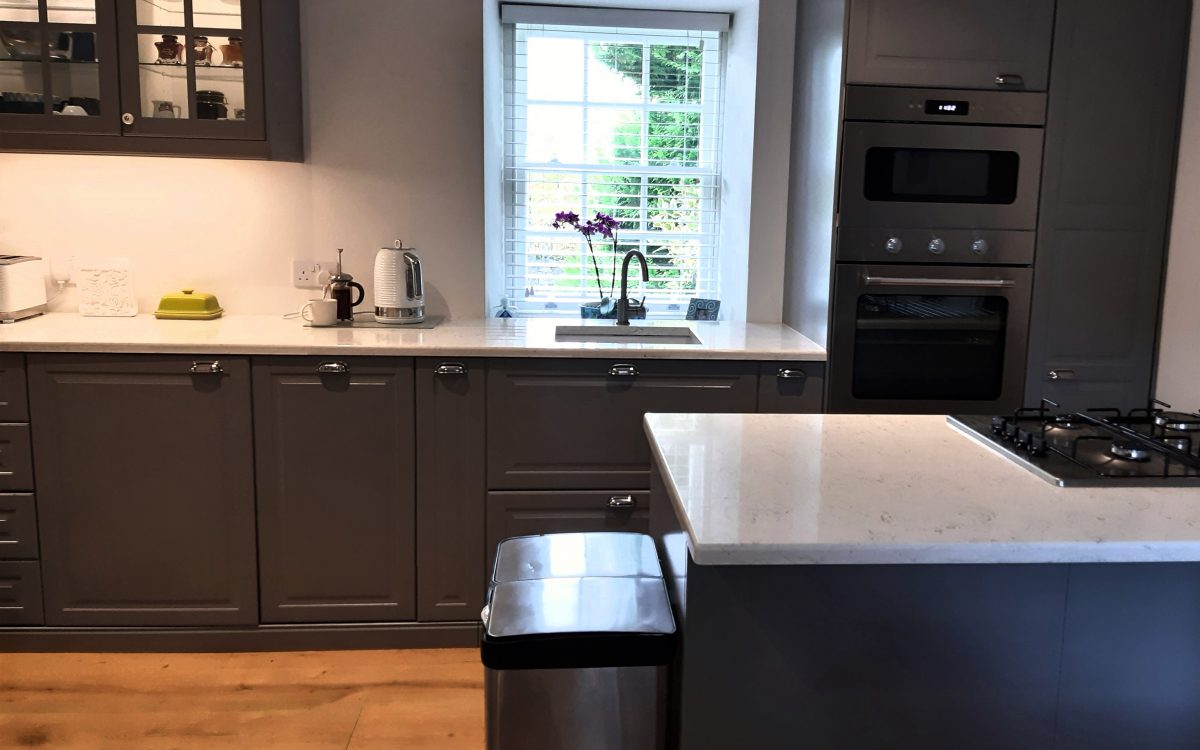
<point>340,285</point>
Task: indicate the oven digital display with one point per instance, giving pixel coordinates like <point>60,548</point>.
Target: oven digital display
<point>946,107</point>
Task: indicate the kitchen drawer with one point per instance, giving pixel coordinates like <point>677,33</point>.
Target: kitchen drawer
<point>791,388</point>
<point>18,528</point>
<point>577,424</point>
<point>512,514</point>
<point>14,403</point>
<point>16,458</point>
<point>20,593</point>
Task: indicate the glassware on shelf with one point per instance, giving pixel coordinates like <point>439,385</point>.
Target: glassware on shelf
<point>231,54</point>
<point>202,50</point>
<point>170,50</point>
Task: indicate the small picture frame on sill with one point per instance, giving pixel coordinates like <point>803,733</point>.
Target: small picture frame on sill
<point>703,309</point>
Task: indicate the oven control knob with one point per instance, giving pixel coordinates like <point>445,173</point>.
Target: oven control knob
<point>937,246</point>
<point>979,247</point>
<point>893,245</point>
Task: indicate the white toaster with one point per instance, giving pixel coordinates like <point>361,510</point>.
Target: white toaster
<point>22,287</point>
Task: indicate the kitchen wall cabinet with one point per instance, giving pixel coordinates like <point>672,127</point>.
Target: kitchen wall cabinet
<point>791,388</point>
<point>451,488</point>
<point>512,514</point>
<point>1111,143</point>
<point>145,480</point>
<point>970,44</point>
<point>217,78</point>
<point>577,424</point>
<point>335,450</point>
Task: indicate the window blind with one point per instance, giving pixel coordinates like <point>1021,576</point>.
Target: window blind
<point>623,121</point>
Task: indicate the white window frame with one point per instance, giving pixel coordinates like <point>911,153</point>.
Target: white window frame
<point>516,233</point>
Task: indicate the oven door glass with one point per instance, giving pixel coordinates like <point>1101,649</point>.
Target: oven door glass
<point>929,347</point>
<point>935,175</point>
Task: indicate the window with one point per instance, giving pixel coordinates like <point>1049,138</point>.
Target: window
<point>623,120</point>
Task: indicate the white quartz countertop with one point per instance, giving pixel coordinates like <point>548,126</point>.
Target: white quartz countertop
<point>273,334</point>
<point>765,489</point>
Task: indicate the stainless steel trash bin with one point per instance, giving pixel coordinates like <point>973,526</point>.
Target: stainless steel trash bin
<point>578,633</point>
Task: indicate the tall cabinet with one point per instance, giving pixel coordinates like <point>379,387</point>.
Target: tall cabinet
<point>1116,90</point>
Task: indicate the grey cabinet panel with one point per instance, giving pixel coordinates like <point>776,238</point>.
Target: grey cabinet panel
<point>16,457</point>
<point>18,528</point>
<point>335,457</point>
<point>950,43</point>
<point>146,490</point>
<point>451,488</point>
<point>512,514</point>
<point>20,593</point>
<point>14,406</point>
<point>570,424</point>
<point>1109,164</point>
<point>791,388</point>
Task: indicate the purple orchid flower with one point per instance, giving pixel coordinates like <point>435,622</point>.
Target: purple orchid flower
<point>605,226</point>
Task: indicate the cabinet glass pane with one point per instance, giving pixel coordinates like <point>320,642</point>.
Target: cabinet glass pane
<point>163,76</point>
<point>160,13</point>
<point>76,88</point>
<point>217,14</point>
<point>19,10</point>
<point>69,11</point>
<point>220,94</point>
<point>21,82</point>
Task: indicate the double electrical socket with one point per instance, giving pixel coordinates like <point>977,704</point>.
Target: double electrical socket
<point>312,274</point>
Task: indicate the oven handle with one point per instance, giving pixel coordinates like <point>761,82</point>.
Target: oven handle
<point>904,281</point>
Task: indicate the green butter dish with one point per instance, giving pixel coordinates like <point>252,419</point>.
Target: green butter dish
<point>188,305</point>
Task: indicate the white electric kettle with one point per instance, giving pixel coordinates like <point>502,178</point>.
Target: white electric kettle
<point>399,287</point>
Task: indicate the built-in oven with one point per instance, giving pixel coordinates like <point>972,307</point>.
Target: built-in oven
<point>928,339</point>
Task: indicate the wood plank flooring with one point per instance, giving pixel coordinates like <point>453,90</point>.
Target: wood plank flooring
<point>343,700</point>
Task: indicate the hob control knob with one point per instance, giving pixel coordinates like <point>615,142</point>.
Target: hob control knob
<point>1037,445</point>
<point>998,424</point>
<point>937,246</point>
<point>893,245</point>
<point>979,247</point>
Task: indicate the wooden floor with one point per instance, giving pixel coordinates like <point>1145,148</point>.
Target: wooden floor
<point>348,700</point>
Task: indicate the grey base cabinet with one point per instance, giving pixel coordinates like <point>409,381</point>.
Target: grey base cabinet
<point>20,593</point>
<point>451,486</point>
<point>791,388</point>
<point>145,477</point>
<point>335,447</point>
<point>512,514</point>
<point>577,424</point>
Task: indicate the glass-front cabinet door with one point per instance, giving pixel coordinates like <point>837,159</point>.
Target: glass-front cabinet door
<point>193,68</point>
<point>58,67</point>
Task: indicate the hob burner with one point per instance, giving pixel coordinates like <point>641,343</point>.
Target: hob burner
<point>1177,421</point>
<point>1129,450</point>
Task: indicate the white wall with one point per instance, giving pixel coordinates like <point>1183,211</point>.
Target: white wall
<point>1179,346</point>
<point>393,101</point>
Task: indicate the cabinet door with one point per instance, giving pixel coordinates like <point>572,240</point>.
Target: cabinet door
<point>1105,202</point>
<point>14,406</point>
<point>950,43</point>
<point>451,488</point>
<point>145,472</point>
<point>192,69</point>
<point>791,388</point>
<point>512,514</point>
<point>18,528</point>
<point>577,424</point>
<point>58,69</point>
<point>334,440</point>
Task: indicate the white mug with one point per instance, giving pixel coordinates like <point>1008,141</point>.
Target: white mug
<point>320,312</point>
<point>165,108</point>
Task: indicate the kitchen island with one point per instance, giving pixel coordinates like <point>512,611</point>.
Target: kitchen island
<point>854,581</point>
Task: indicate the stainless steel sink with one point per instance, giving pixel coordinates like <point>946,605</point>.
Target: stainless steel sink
<point>626,334</point>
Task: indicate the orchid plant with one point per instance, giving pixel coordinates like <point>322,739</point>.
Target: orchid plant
<point>604,226</point>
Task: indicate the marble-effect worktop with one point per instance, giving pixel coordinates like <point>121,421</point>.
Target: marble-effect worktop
<point>274,334</point>
<point>765,489</point>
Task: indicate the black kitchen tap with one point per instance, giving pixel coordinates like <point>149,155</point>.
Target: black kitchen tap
<point>623,303</point>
